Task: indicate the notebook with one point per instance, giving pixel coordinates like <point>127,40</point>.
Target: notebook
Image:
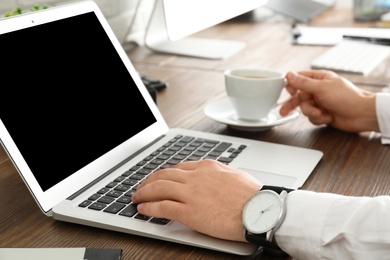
<point>76,118</point>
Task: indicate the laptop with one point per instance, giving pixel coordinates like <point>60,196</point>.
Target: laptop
<point>82,130</point>
<point>300,10</point>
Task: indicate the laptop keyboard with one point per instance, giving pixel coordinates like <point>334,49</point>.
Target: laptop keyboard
<point>115,197</point>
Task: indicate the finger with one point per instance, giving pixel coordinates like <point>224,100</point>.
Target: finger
<point>315,114</point>
<point>289,106</point>
<point>160,190</point>
<point>170,174</point>
<point>292,91</point>
<point>303,83</point>
<point>310,110</point>
<point>163,209</point>
<point>323,119</point>
<point>318,74</point>
<point>199,165</point>
<point>192,165</point>
<point>189,165</point>
<point>294,102</point>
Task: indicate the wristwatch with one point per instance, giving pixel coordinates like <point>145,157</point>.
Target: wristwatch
<point>262,216</point>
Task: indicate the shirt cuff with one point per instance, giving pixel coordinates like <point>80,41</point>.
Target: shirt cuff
<point>383,114</point>
<point>304,222</point>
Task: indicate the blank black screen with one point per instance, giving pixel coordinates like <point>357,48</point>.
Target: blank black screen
<point>66,96</point>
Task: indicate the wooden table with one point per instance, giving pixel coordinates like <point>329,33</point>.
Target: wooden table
<point>353,164</point>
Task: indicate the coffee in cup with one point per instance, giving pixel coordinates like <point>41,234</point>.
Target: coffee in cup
<point>253,92</point>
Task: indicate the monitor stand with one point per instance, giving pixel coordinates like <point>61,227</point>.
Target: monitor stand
<point>156,39</point>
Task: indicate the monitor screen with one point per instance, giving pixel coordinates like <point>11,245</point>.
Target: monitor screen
<point>172,21</point>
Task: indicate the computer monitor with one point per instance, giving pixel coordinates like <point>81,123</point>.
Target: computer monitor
<point>172,21</point>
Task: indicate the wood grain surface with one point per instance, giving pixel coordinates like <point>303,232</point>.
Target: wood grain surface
<point>353,164</point>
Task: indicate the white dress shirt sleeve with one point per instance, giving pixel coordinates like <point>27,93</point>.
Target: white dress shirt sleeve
<point>330,226</point>
<point>383,114</point>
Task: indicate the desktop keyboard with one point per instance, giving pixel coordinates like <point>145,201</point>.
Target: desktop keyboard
<point>352,56</point>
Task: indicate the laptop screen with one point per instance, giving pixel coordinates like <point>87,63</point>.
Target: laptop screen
<point>68,98</point>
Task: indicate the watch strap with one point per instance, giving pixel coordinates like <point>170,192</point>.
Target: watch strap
<point>260,240</point>
<point>277,189</point>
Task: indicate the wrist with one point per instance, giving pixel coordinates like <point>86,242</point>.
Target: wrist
<point>368,115</point>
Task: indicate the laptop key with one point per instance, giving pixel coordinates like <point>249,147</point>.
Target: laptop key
<point>137,176</point>
<point>222,147</point>
<point>211,157</point>
<point>114,194</point>
<point>130,182</point>
<point>111,185</point>
<point>174,162</point>
<point>215,154</point>
<point>225,159</point>
<point>127,173</point>
<point>106,200</point>
<point>142,217</point>
<point>187,139</point>
<point>129,211</point>
<point>97,206</point>
<point>210,142</point>
<point>103,190</point>
<point>129,193</point>
<point>122,187</point>
<point>166,166</point>
<point>160,221</point>
<point>120,178</point>
<point>193,158</point>
<point>124,199</point>
<point>94,197</point>
<point>114,207</point>
<point>85,203</point>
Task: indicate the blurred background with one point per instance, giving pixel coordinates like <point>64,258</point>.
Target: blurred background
<point>126,17</point>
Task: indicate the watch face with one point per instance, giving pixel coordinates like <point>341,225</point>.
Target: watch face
<point>262,211</point>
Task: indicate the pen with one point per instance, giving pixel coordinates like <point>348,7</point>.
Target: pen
<point>382,41</point>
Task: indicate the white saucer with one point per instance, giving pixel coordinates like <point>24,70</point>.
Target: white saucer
<point>222,111</point>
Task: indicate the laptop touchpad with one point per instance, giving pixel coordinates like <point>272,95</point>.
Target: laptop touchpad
<point>272,178</point>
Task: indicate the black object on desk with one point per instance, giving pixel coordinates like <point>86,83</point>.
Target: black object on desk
<point>375,40</point>
<point>60,253</point>
<point>152,92</point>
<point>153,85</point>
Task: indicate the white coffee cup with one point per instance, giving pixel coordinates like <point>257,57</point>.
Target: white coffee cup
<point>253,92</point>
